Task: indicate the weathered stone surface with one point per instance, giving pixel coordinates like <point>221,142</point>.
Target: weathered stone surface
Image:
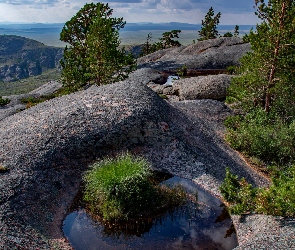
<point>46,89</point>
<point>157,88</point>
<point>210,54</point>
<point>258,231</point>
<point>202,87</point>
<point>146,75</point>
<point>47,148</point>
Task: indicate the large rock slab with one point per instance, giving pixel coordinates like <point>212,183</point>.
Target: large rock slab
<point>46,149</point>
<point>216,53</point>
<point>202,87</point>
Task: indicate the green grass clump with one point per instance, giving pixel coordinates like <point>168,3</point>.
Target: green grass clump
<point>163,96</point>
<point>3,102</point>
<point>122,188</point>
<point>32,101</point>
<point>277,200</point>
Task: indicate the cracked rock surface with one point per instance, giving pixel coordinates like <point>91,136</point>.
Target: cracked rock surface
<point>216,53</point>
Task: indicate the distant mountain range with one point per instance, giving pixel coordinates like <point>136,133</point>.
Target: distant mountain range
<point>133,33</point>
<point>22,57</point>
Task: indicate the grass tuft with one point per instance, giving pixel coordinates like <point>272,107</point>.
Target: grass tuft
<point>3,102</point>
<point>123,188</point>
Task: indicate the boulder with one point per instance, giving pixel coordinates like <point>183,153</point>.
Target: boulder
<point>147,75</point>
<point>216,53</point>
<point>202,87</point>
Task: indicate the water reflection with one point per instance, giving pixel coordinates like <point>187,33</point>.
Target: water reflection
<point>170,80</point>
<point>205,225</point>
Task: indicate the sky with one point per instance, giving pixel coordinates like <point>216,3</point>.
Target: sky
<point>133,11</point>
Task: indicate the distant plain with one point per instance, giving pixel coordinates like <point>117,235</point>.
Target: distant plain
<point>132,34</point>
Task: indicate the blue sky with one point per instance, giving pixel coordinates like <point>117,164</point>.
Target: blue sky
<point>186,11</point>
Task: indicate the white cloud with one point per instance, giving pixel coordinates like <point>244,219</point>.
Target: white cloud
<point>190,11</point>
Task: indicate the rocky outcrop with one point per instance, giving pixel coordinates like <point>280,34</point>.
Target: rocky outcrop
<point>22,57</point>
<point>46,149</point>
<point>210,54</point>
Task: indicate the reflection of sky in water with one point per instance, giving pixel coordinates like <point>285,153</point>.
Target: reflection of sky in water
<point>170,80</point>
<point>188,228</point>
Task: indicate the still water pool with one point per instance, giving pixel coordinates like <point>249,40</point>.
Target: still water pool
<point>202,225</point>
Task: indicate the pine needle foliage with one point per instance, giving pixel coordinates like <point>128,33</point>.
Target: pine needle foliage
<point>93,55</point>
<point>277,200</point>
<point>209,26</point>
<point>267,73</point>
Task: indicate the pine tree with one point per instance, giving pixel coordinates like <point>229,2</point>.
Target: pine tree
<point>167,39</point>
<point>209,26</point>
<point>236,31</point>
<point>268,72</point>
<point>93,56</point>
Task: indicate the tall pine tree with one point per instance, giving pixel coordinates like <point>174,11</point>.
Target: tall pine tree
<point>94,56</point>
<point>267,73</point>
<point>209,26</point>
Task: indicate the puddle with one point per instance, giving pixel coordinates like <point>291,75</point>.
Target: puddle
<point>170,80</point>
<point>206,225</point>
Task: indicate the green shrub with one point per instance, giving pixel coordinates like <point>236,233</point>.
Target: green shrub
<point>238,192</point>
<point>3,102</point>
<point>262,135</point>
<point>278,199</point>
<point>122,188</point>
<point>231,69</point>
<point>182,71</point>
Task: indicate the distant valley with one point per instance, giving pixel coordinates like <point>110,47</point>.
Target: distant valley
<point>22,57</point>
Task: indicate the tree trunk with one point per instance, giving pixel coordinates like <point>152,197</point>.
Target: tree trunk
<point>274,62</point>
